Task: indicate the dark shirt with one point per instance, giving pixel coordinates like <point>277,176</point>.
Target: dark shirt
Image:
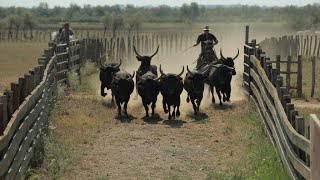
<point>210,38</point>
<point>62,36</point>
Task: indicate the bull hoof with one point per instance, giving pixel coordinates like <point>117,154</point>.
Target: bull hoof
<point>169,118</point>
<point>173,114</point>
<point>178,113</point>
<point>195,113</point>
<point>220,104</point>
<point>147,115</point>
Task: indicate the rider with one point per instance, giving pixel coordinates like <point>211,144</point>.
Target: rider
<point>206,39</point>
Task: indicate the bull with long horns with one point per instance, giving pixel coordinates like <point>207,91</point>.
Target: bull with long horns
<point>171,87</point>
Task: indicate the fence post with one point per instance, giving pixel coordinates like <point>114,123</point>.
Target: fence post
<point>3,113</point>
<point>299,77</point>
<point>288,73</point>
<point>315,147</point>
<point>313,59</point>
<point>278,58</point>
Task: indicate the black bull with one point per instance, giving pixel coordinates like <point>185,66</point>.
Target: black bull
<point>106,73</point>
<point>194,85</point>
<point>122,86</point>
<point>148,89</point>
<point>219,77</point>
<point>228,62</point>
<point>171,86</point>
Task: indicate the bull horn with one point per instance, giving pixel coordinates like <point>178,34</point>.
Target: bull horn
<point>189,70</point>
<point>131,76</point>
<point>134,48</point>
<point>162,74</point>
<point>155,52</point>
<point>117,66</point>
<point>182,71</point>
<point>236,55</point>
<point>102,65</point>
<point>222,57</point>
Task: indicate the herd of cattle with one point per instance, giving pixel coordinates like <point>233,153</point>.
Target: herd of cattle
<point>216,74</point>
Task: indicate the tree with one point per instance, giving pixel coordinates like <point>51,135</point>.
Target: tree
<point>133,21</point>
<point>14,21</point>
<point>29,22</point>
<point>72,11</point>
<point>106,21</point>
<point>117,23</point>
<point>190,12</point>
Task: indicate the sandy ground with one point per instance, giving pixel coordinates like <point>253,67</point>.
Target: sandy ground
<point>187,147</point>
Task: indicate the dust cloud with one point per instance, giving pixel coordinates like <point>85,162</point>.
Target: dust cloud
<point>230,37</point>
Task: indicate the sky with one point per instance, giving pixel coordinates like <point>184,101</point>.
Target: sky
<point>66,3</point>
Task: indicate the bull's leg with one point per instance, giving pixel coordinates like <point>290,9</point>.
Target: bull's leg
<point>229,93</point>
<point>178,105</point>
<point>119,106</point>
<point>153,106</point>
<point>224,97</point>
<point>112,97</point>
<point>146,108</point>
<point>165,107</point>
<point>212,93</point>
<point>169,112</point>
<point>198,103</point>
<point>125,106</point>
<point>194,106</point>
<point>102,90</point>
<point>219,95</point>
<point>174,111</point>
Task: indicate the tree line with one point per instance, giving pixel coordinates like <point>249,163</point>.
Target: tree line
<point>132,17</point>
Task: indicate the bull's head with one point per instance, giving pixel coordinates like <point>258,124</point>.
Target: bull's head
<point>107,71</point>
<point>109,67</point>
<point>171,82</point>
<point>196,80</point>
<point>128,78</point>
<point>145,60</point>
<point>229,61</point>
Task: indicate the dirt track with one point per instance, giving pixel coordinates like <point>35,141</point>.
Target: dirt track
<point>140,148</point>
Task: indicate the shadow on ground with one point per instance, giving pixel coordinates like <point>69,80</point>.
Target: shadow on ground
<point>174,123</point>
<point>199,117</point>
<point>155,119</point>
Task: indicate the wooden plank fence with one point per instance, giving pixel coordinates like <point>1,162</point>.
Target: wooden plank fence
<point>288,131</point>
<point>25,108</point>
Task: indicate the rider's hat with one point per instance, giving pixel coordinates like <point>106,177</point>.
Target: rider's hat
<point>206,28</point>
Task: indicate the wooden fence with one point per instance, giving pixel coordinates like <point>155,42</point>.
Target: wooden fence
<point>305,45</point>
<point>288,131</point>
<point>25,108</point>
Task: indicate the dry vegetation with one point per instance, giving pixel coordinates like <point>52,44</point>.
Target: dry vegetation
<point>16,59</point>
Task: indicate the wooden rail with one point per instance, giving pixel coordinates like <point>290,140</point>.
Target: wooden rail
<point>24,109</point>
<point>288,131</point>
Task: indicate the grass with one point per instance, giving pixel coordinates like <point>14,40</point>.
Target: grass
<point>261,160</point>
<point>61,148</point>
